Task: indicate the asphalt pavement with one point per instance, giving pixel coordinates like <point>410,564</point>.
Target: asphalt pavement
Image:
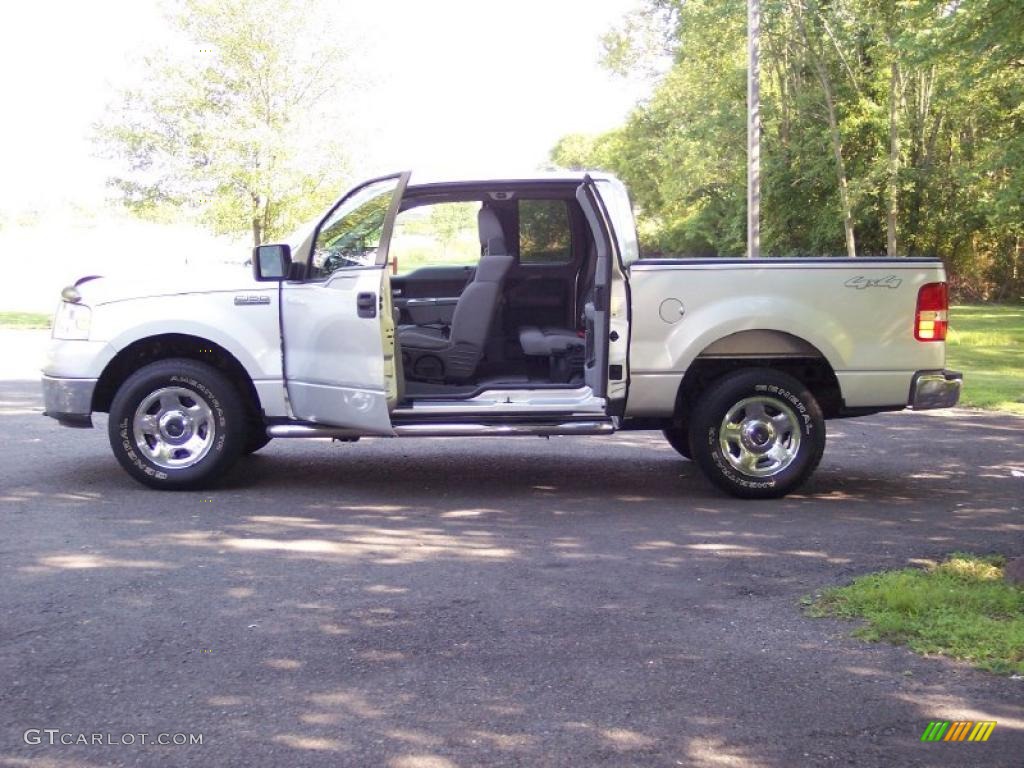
<point>476,602</point>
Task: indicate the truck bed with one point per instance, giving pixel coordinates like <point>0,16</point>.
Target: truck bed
<point>858,314</point>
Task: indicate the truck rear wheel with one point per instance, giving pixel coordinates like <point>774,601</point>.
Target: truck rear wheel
<point>177,425</point>
<point>757,434</point>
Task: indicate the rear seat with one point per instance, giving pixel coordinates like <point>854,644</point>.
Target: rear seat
<point>563,347</point>
<point>546,341</point>
<point>564,350</point>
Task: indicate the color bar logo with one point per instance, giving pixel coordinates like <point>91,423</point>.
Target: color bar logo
<point>958,730</point>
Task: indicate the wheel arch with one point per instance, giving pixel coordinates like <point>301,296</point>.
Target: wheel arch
<point>760,348</point>
<point>150,349</point>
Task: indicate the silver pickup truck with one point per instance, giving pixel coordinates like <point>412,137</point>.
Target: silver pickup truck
<point>553,324</point>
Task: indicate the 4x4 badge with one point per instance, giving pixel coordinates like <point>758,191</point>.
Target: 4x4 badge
<point>860,282</point>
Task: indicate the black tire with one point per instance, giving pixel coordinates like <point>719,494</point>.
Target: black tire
<point>777,406</point>
<point>220,426</point>
<point>256,438</point>
<point>679,438</point>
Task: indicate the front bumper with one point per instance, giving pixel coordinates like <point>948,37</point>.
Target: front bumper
<point>935,389</point>
<point>69,401</point>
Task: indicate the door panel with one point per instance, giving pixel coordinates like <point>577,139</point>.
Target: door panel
<point>331,382</point>
<point>595,371</point>
<point>429,295</point>
<point>427,311</point>
<point>338,330</point>
<point>613,202</point>
<point>432,281</point>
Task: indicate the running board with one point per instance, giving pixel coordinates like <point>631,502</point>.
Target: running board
<point>450,430</point>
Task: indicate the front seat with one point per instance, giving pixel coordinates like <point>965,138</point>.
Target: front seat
<point>452,353</point>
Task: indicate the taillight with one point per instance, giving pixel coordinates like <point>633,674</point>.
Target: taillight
<point>932,318</point>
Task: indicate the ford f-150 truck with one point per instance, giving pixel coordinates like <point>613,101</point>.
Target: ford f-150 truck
<point>557,326</point>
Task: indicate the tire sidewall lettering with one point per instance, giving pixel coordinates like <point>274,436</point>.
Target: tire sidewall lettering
<point>791,399</point>
<point>133,456</point>
<point>726,469</point>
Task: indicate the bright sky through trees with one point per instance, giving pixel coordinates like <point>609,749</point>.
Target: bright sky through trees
<point>450,86</point>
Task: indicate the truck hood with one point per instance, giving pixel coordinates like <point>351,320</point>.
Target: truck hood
<point>98,289</point>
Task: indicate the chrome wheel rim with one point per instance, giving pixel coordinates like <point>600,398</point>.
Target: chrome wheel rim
<point>760,436</point>
<point>174,427</point>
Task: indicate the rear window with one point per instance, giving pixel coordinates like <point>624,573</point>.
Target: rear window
<point>544,233</point>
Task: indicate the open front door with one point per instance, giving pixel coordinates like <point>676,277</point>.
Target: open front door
<point>337,326</point>
<point>607,317</point>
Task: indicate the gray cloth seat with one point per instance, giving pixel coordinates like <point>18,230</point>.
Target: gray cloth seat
<point>453,353</point>
<point>544,341</point>
<point>422,337</point>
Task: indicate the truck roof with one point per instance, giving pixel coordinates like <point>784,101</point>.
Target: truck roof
<point>422,179</point>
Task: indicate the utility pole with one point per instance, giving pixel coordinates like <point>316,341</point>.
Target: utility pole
<point>753,129</point>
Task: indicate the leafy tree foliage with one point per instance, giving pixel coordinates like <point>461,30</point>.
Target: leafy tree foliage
<point>544,231</point>
<point>448,220</point>
<point>234,122</point>
<point>890,127</point>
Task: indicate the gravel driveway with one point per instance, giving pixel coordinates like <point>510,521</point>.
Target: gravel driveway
<point>428,604</point>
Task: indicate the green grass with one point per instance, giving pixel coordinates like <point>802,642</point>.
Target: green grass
<point>960,608</point>
<point>986,342</point>
<point>24,320</point>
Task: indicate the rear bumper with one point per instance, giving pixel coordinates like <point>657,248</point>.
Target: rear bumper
<point>69,401</point>
<point>935,389</point>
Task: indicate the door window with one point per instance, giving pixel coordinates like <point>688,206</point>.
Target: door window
<point>616,200</point>
<point>439,235</point>
<point>351,234</point>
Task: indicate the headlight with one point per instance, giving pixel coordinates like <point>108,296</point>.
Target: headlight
<point>72,321</point>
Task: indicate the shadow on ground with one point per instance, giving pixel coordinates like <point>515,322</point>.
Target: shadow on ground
<point>418,604</point>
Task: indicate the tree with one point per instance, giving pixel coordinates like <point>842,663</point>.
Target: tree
<point>888,128</point>
<point>448,220</point>
<point>813,42</point>
<point>236,122</point>
<point>575,151</point>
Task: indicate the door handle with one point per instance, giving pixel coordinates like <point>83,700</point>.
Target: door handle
<point>366,304</point>
<point>428,302</point>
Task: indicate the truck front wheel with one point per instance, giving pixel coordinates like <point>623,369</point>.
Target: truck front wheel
<point>177,425</point>
<point>679,438</point>
<point>757,434</point>
<point>256,437</point>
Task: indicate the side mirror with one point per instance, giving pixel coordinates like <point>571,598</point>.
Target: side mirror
<point>271,262</point>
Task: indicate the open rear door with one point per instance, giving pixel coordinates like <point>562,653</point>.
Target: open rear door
<point>605,366</point>
<point>337,326</point>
